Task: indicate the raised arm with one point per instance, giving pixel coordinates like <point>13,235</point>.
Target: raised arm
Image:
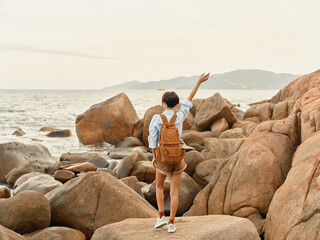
<point>201,79</point>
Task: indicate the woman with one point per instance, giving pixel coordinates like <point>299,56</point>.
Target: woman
<point>169,101</point>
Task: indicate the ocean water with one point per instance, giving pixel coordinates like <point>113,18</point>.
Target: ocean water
<point>32,109</point>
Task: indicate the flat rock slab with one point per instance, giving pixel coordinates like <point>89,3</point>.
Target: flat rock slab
<point>215,227</point>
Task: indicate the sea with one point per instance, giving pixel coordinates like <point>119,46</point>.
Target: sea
<point>31,109</point>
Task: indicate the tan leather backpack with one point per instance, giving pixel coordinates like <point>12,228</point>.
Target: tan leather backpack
<point>169,150</point>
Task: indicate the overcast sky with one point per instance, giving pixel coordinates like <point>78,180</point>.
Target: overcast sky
<point>98,43</point>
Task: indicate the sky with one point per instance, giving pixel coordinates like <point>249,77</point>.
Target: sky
<point>91,44</point>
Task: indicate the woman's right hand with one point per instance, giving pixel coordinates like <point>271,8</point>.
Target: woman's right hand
<point>203,78</point>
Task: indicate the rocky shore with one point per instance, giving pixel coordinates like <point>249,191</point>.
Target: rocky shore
<point>250,174</point>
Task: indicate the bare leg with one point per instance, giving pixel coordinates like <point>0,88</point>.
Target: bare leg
<point>160,178</point>
<point>174,194</point>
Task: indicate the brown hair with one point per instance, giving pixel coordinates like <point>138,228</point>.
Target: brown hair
<point>170,98</point>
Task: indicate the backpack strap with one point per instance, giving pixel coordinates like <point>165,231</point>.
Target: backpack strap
<point>173,119</point>
<point>164,118</point>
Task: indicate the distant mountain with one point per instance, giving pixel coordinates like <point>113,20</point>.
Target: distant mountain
<point>239,79</point>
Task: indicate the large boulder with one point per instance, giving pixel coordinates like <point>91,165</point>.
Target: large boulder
<point>280,110</point>
<point>212,109</point>
<point>80,157</point>
<point>144,171</point>
<point>303,95</point>
<point>219,126</point>
<point>26,212</point>
<point>206,170</point>
<point>288,126</point>
<point>109,121</point>
<point>125,166</point>
<point>188,190</point>
<point>7,234</point>
<point>43,184</point>
<point>158,109</point>
<point>25,177</point>
<point>220,148</point>
<point>294,210</point>
<point>192,159</point>
<point>245,185</point>
<point>55,233</point>
<point>196,228</point>
<point>133,183</point>
<point>196,103</point>
<point>190,137</point>
<point>233,133</point>
<point>263,111</point>
<point>25,157</point>
<point>96,199</point>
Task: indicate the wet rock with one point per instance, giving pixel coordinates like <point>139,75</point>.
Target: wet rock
<point>188,190</point>
<point>59,133</point>
<point>5,192</point>
<point>100,199</point>
<point>207,227</point>
<point>19,132</point>
<point>63,175</point>
<point>109,121</point>
<point>33,214</point>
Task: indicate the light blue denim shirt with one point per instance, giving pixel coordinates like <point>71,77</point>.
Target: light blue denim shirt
<point>156,122</point>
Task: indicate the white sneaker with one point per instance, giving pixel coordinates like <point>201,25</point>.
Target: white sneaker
<point>171,228</point>
<point>160,222</point>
